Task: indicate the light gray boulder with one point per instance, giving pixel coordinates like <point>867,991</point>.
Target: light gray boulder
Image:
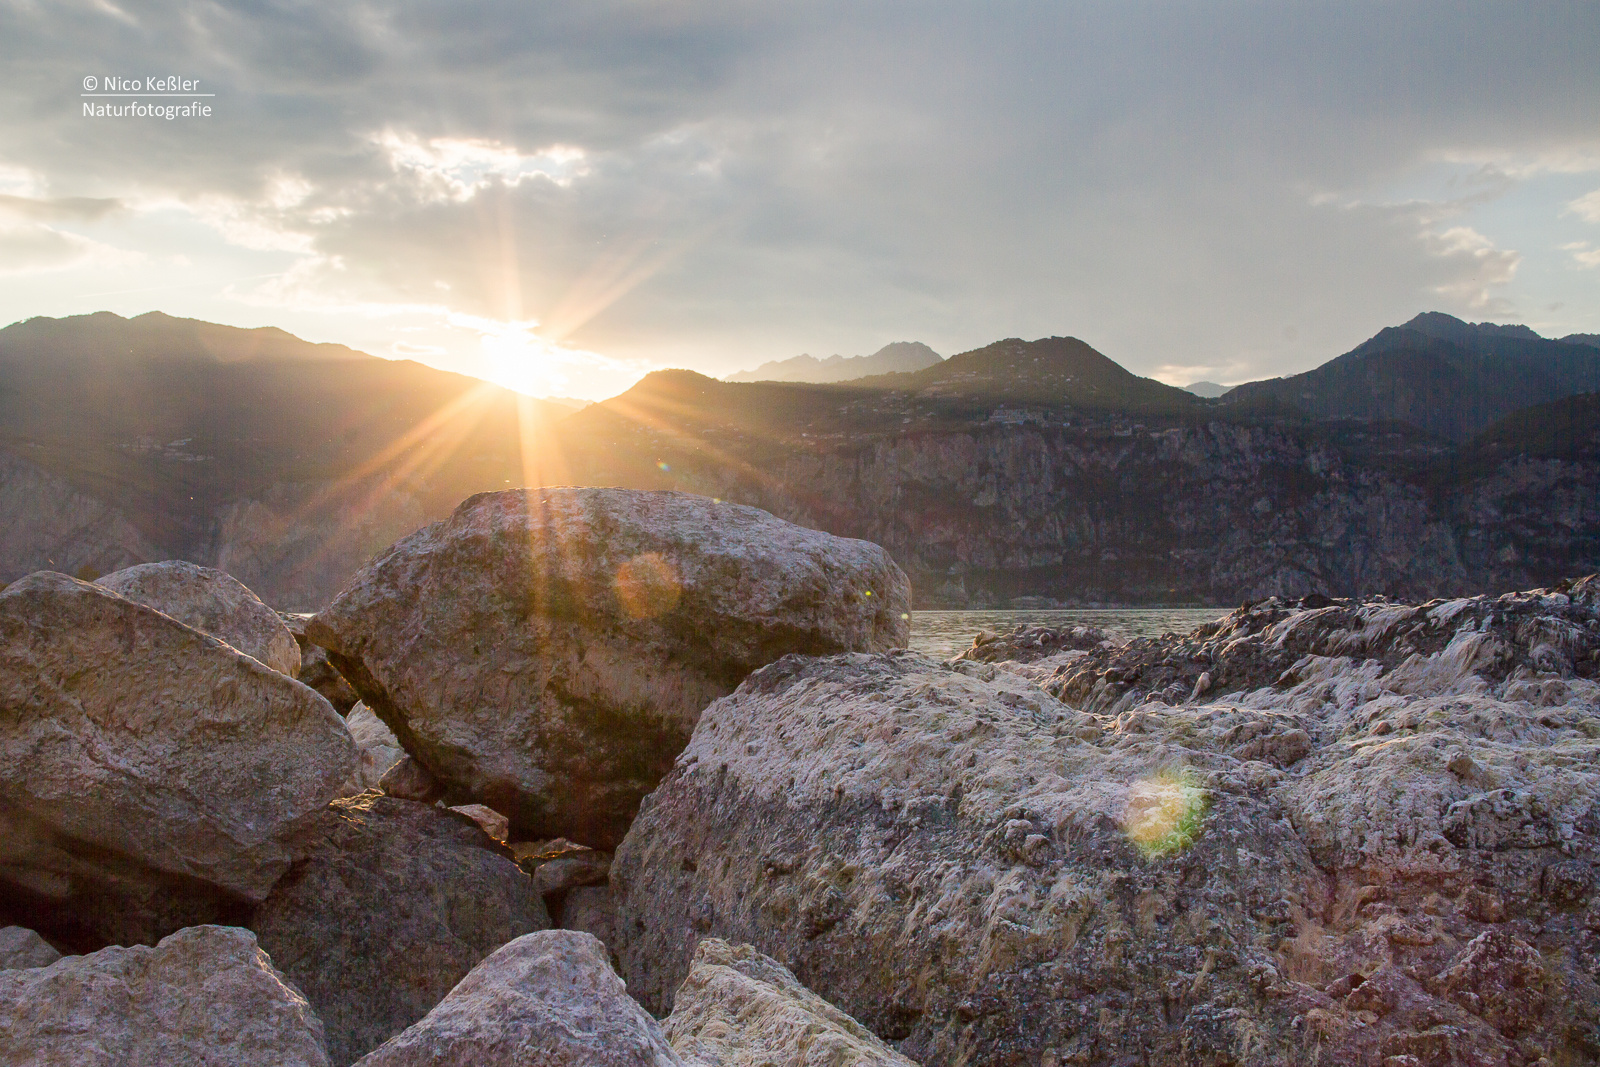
<point>21,947</point>
<point>391,905</point>
<point>206,995</point>
<point>738,1008</point>
<point>944,855</point>
<point>149,773</point>
<point>315,670</point>
<point>213,602</point>
<point>550,999</point>
<point>377,750</point>
<point>1379,844</point>
<point>547,651</point>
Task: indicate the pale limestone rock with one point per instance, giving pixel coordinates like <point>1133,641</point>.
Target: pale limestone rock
<point>146,768</point>
<point>206,995</point>
<point>213,602</point>
<point>21,947</point>
<point>982,874</point>
<point>550,999</point>
<point>391,904</point>
<point>738,1008</point>
<point>377,750</point>
<point>547,652</point>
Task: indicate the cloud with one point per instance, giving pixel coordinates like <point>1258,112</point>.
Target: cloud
<point>721,184</point>
<point>1587,206</point>
<point>30,248</point>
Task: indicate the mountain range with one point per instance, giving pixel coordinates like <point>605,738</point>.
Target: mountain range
<point>893,358</point>
<point>1438,373</point>
<point>1022,468</point>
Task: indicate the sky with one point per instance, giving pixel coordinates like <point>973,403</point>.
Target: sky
<point>562,197</point>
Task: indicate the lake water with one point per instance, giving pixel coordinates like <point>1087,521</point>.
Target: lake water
<point>945,633</point>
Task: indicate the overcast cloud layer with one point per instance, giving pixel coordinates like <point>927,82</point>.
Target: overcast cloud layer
<point>566,195</point>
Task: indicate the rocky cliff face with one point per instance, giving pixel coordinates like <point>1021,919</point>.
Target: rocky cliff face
<point>46,524</point>
<point>1211,513</point>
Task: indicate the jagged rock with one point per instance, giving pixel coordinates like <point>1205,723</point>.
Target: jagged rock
<point>21,947</point>
<point>377,750</point>
<point>315,670</point>
<point>546,652</point>
<point>560,865</point>
<point>205,995</point>
<point>1028,643</point>
<point>1544,630</point>
<point>741,1009</point>
<point>548,998</point>
<point>214,603</point>
<point>392,904</point>
<point>1386,848</point>
<point>947,860</point>
<point>150,775</point>
<point>489,821</point>
<point>410,780</point>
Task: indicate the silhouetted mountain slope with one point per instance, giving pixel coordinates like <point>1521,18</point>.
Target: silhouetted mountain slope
<point>1438,373</point>
<point>185,427</point>
<point>1017,469</point>
<point>1592,339</point>
<point>1057,373</point>
<point>899,357</point>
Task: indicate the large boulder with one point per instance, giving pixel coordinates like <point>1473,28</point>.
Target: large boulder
<point>150,774</point>
<point>547,651</point>
<point>550,999</point>
<point>205,995</point>
<point>213,602</point>
<point>738,1008</point>
<point>983,874</point>
<point>391,906</point>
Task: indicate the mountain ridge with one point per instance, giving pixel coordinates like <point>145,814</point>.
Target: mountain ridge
<point>898,356</point>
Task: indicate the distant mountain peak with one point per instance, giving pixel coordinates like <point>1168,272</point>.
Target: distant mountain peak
<point>1449,328</point>
<point>900,357</point>
<point>1209,390</point>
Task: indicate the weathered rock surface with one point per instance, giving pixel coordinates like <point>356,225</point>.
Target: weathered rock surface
<point>149,773</point>
<point>560,865</point>
<point>489,821</point>
<point>410,780</point>
<point>391,906</point>
<point>214,603</point>
<point>548,998</point>
<point>1260,644</point>
<point>589,908</point>
<point>738,1008</point>
<point>205,995</point>
<point>21,947</point>
<point>377,750</point>
<point>546,652</point>
<point>1025,644</point>
<point>315,670</point>
<point>1391,853</point>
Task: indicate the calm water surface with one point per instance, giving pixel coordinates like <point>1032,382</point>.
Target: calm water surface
<point>945,633</point>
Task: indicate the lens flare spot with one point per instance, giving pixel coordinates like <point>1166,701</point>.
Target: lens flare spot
<point>661,465</point>
<point>1164,813</point>
<point>648,586</point>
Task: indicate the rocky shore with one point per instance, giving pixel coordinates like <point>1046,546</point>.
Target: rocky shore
<point>645,778</point>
